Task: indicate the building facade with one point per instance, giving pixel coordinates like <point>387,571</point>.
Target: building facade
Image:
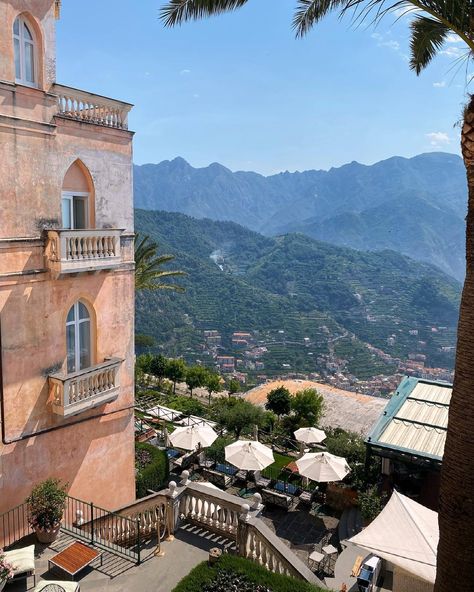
<point>410,436</point>
<point>66,274</point>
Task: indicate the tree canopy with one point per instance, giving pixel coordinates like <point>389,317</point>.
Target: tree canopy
<point>279,401</point>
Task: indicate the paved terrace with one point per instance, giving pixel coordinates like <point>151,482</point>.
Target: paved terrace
<point>156,574</point>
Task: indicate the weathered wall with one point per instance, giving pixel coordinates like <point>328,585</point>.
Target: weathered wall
<point>40,14</point>
<point>94,450</point>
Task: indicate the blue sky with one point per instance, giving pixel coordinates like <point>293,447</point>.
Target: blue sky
<point>239,89</point>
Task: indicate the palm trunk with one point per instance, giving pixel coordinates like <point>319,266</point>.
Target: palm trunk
<point>456,511</point>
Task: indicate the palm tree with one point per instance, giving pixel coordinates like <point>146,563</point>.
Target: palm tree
<point>433,21</point>
<point>148,267</point>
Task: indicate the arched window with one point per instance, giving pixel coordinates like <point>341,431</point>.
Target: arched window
<point>25,52</point>
<point>78,338</point>
<point>76,198</point>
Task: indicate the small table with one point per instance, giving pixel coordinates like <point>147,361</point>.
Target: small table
<point>316,557</point>
<point>329,551</point>
<point>75,558</point>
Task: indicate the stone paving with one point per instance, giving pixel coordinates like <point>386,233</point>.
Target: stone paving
<point>299,529</point>
<point>156,574</point>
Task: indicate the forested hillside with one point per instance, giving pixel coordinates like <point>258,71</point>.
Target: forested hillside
<point>291,287</point>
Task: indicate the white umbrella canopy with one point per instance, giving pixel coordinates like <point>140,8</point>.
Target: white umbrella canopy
<point>249,455</point>
<point>189,437</point>
<point>310,435</point>
<point>322,467</point>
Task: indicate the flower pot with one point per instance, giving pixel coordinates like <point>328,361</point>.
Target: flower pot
<point>47,535</point>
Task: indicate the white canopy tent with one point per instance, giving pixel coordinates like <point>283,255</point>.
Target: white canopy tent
<point>405,533</point>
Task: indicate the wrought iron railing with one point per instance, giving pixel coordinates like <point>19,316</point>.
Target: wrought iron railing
<point>14,525</point>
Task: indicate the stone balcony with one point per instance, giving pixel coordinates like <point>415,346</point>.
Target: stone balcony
<point>74,251</point>
<point>87,107</point>
<point>88,388</point>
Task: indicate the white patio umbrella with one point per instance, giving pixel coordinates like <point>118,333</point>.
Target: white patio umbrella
<point>249,455</point>
<point>310,435</point>
<point>322,467</point>
<point>189,437</point>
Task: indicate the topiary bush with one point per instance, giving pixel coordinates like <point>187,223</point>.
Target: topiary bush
<point>152,468</point>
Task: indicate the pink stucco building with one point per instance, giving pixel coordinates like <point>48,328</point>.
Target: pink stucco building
<point>66,273</point>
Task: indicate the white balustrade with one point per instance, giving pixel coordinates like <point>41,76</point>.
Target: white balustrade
<point>72,251</point>
<point>77,392</point>
<point>217,511</point>
<point>90,108</point>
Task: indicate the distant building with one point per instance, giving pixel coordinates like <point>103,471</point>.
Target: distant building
<point>226,363</point>
<point>409,437</point>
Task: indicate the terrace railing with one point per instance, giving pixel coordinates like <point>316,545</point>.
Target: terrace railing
<point>87,388</point>
<point>87,107</point>
<point>14,525</point>
<point>227,516</point>
<point>80,250</point>
<point>262,545</point>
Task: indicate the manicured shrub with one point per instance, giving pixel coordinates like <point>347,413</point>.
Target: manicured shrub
<point>237,573</point>
<point>152,467</point>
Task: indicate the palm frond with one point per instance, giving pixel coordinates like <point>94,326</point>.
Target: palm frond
<point>427,37</point>
<point>176,12</point>
<point>148,267</point>
<point>310,12</point>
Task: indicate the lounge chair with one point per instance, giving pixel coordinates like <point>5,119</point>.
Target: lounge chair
<point>57,586</point>
<point>284,487</point>
<point>23,562</point>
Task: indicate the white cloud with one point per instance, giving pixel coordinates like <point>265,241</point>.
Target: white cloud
<point>452,38</point>
<point>185,71</point>
<point>438,139</point>
<point>452,51</point>
<point>392,44</point>
<point>441,84</point>
<point>385,40</point>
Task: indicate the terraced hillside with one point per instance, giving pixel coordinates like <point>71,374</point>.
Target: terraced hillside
<point>289,288</point>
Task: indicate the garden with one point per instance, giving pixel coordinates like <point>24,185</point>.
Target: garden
<point>240,575</point>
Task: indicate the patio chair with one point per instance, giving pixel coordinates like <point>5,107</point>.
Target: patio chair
<point>23,562</point>
<point>56,586</point>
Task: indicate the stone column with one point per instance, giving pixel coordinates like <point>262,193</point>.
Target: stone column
<point>242,530</point>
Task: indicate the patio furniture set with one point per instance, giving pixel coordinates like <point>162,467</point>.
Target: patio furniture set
<point>70,561</point>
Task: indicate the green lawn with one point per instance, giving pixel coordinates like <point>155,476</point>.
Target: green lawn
<point>274,470</point>
<point>230,567</point>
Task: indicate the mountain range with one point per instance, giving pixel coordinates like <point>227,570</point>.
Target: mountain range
<point>415,206</point>
<point>287,288</point>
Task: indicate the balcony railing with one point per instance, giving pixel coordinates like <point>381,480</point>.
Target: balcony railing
<point>73,251</point>
<point>91,387</point>
<point>87,107</point>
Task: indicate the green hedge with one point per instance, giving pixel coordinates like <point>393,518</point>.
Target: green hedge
<point>202,574</point>
<point>154,473</point>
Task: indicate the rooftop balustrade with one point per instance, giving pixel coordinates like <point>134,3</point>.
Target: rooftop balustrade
<point>87,107</point>
<point>88,388</point>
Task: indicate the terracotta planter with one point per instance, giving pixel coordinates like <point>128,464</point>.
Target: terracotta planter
<point>47,536</point>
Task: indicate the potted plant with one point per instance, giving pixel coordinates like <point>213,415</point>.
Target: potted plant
<point>46,505</point>
<point>6,570</point>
